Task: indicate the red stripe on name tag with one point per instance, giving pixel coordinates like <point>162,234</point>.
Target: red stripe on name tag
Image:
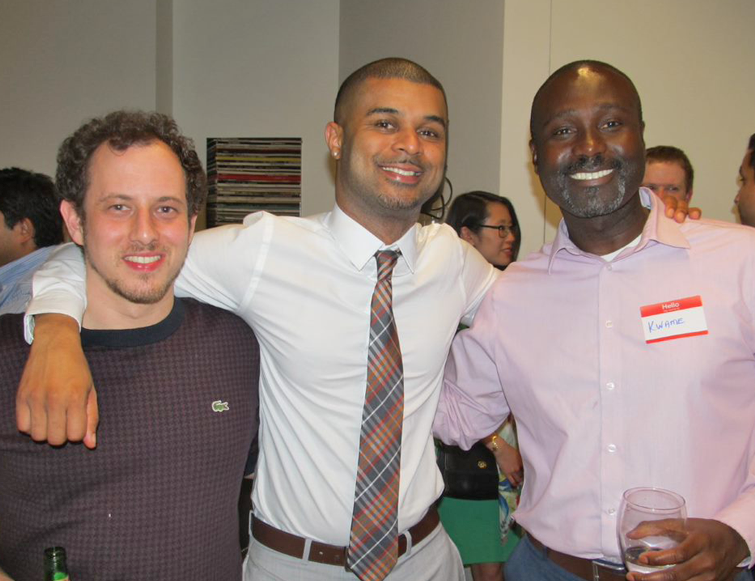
<point>671,306</point>
<point>676,337</point>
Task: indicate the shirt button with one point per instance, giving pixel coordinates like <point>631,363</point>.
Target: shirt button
<point>611,448</point>
<point>610,385</point>
<point>609,267</point>
<point>612,511</point>
<point>609,324</point>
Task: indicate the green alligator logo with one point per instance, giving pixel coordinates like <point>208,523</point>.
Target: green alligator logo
<point>220,406</point>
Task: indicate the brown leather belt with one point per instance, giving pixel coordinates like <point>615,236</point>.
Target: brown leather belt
<point>584,568</point>
<point>292,545</point>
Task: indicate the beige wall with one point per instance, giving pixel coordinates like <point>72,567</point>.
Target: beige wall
<point>262,69</point>
<point>692,62</point>
<point>222,68</point>
<point>64,61</point>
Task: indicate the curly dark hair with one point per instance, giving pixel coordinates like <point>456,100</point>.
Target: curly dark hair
<point>121,130</point>
<point>26,194</point>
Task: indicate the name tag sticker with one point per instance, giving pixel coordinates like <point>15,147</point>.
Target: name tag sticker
<point>674,320</point>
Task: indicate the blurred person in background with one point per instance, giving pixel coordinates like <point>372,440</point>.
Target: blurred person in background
<point>745,199</point>
<point>668,172</point>
<point>482,528</point>
<point>30,228</point>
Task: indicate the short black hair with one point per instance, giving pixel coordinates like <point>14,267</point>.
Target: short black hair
<point>387,68</point>
<point>471,210</point>
<point>751,147</point>
<point>26,194</point>
<point>573,66</point>
<point>121,130</point>
<point>671,154</point>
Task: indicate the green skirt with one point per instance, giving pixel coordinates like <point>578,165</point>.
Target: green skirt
<point>474,526</point>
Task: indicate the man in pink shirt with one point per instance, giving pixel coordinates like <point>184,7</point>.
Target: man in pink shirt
<point>625,350</point>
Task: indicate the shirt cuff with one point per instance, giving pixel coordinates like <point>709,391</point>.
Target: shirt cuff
<point>61,303</point>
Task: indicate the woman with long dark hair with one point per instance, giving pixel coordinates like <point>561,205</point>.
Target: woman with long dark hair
<point>481,529</point>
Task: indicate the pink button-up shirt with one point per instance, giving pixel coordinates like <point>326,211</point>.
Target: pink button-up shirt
<point>559,340</point>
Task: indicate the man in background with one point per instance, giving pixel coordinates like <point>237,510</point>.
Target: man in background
<point>745,199</point>
<point>30,227</point>
<point>636,365</point>
<point>177,380</point>
<point>668,172</point>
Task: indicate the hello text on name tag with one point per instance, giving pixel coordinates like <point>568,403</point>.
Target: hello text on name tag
<point>674,319</point>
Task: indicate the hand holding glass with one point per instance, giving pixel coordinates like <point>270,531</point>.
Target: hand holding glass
<point>642,505</point>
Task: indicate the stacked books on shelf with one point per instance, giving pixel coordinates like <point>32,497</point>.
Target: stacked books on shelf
<point>248,174</point>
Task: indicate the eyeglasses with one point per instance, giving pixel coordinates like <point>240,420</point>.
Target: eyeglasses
<point>503,231</point>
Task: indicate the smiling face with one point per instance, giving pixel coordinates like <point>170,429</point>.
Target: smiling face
<point>587,143</point>
<point>666,178</point>
<point>136,231</point>
<point>391,150</point>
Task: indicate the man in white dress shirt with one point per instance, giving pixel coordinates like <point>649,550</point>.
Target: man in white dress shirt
<point>305,286</point>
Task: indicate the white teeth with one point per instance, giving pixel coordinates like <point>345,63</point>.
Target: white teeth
<point>591,175</point>
<point>401,172</point>
<point>143,259</point>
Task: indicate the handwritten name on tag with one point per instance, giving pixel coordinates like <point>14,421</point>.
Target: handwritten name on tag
<point>674,319</point>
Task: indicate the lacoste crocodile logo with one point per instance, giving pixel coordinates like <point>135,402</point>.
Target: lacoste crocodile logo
<point>220,406</point>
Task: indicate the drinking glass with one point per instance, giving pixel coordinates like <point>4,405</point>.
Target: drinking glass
<point>640,505</point>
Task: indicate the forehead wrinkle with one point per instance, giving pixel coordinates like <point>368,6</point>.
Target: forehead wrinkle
<point>392,111</point>
<point>600,107</point>
<point>129,197</point>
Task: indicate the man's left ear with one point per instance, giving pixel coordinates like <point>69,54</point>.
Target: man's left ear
<point>334,138</point>
<point>24,230</point>
<point>72,222</point>
<point>192,227</point>
<point>533,152</point>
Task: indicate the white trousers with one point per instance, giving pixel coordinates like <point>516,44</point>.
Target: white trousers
<point>436,558</point>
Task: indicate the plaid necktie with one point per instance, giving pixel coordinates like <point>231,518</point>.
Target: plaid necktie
<point>373,546</point>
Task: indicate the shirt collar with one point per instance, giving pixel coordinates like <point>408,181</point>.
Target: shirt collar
<point>658,229</point>
<point>360,245</point>
<point>17,268</point>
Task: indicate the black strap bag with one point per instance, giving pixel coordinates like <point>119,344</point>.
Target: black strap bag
<point>469,475</point>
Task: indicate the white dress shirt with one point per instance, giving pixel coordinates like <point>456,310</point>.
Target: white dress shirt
<point>560,341</point>
<point>305,286</point>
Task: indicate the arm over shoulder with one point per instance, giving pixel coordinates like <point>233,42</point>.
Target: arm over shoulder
<point>472,404</point>
<point>59,287</point>
<point>223,262</point>
<point>478,275</point>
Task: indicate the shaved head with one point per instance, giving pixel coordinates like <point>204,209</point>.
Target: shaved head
<point>574,67</point>
<point>387,68</point>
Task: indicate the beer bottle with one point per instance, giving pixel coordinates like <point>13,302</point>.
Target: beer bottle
<point>56,568</point>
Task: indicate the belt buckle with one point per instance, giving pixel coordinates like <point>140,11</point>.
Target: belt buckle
<point>597,564</point>
<point>346,559</point>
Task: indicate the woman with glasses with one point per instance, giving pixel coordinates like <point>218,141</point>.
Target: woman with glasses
<point>488,222</point>
<point>481,529</point>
